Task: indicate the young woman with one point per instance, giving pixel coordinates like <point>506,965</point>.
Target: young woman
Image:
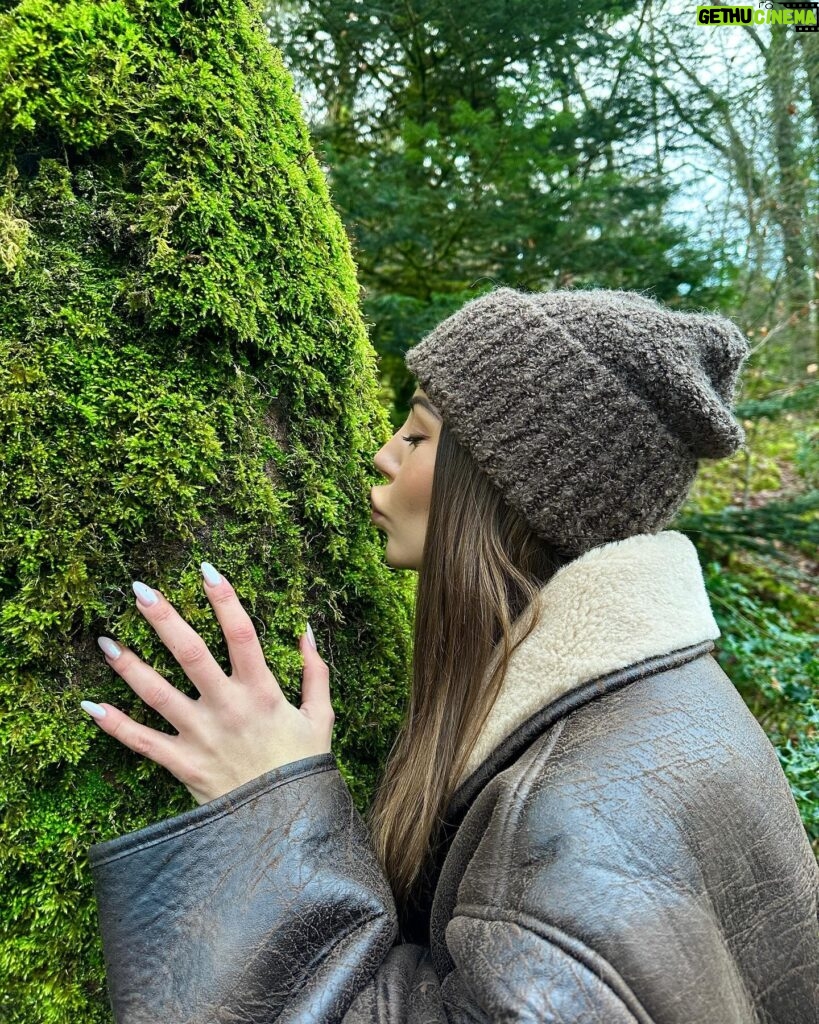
<point>580,821</point>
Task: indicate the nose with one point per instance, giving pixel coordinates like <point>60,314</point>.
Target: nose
<point>380,461</point>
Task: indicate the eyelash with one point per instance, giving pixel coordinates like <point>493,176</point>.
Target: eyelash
<point>413,439</point>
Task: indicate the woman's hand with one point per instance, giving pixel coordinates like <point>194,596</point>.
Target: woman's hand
<point>241,726</point>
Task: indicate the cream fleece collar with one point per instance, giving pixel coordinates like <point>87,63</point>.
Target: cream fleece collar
<point>611,607</point>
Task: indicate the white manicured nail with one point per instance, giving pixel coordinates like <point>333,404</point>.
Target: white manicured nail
<point>310,636</point>
<point>93,709</point>
<point>212,577</point>
<point>109,647</point>
<point>144,593</point>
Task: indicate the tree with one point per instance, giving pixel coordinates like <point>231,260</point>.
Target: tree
<point>470,143</point>
<point>185,376</point>
<point>743,105</point>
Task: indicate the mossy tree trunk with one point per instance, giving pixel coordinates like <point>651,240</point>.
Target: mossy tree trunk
<point>184,375</point>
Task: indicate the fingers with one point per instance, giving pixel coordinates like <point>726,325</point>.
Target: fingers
<point>150,743</point>
<point>315,685</point>
<point>246,655</point>
<point>184,643</point>
<point>148,684</point>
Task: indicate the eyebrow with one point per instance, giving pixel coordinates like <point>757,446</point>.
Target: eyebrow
<point>419,400</point>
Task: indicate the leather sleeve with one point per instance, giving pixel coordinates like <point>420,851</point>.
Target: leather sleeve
<point>268,904</point>
<point>265,904</point>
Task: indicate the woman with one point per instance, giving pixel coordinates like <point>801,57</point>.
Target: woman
<point>580,821</point>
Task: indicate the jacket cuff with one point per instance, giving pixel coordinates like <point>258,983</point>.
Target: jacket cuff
<point>157,832</point>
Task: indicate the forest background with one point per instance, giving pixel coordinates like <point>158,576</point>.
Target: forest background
<point>617,145</point>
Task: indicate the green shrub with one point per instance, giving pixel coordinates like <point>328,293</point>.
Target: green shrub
<point>755,521</point>
<point>771,659</point>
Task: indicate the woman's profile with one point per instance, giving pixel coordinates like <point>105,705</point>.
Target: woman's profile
<point>580,820</point>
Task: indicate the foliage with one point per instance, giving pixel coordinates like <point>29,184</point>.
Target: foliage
<point>468,147</point>
<point>765,529</point>
<point>758,540</point>
<point>184,375</point>
<point>773,664</point>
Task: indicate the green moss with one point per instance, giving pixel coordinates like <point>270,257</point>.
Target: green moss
<point>184,375</point>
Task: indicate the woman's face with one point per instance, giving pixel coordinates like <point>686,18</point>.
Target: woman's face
<point>408,466</point>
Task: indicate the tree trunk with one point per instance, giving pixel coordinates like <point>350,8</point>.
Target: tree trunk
<point>184,376</point>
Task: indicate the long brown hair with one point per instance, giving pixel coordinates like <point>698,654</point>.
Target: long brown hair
<point>482,567</point>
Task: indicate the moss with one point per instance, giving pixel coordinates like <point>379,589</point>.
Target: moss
<point>184,375</point>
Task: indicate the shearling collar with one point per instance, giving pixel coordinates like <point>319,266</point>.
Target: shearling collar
<point>611,607</point>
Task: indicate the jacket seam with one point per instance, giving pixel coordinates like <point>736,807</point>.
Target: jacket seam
<point>214,816</point>
<point>568,944</point>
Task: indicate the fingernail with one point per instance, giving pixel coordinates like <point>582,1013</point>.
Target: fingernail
<point>145,594</point>
<point>310,636</point>
<point>212,577</point>
<point>93,709</point>
<point>109,647</point>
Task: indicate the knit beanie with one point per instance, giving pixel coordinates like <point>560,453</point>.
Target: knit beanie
<point>588,409</point>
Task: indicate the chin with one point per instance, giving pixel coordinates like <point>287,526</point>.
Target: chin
<point>398,561</point>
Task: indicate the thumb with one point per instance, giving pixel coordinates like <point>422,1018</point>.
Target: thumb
<point>315,680</point>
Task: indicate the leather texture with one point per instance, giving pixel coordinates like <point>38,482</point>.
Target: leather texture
<point>630,853</point>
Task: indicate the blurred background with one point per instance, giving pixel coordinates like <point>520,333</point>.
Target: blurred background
<point>541,144</point>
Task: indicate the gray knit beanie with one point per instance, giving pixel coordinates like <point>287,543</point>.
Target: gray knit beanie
<point>588,408</point>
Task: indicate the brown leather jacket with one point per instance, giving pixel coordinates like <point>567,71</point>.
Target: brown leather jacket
<point>629,852</point>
